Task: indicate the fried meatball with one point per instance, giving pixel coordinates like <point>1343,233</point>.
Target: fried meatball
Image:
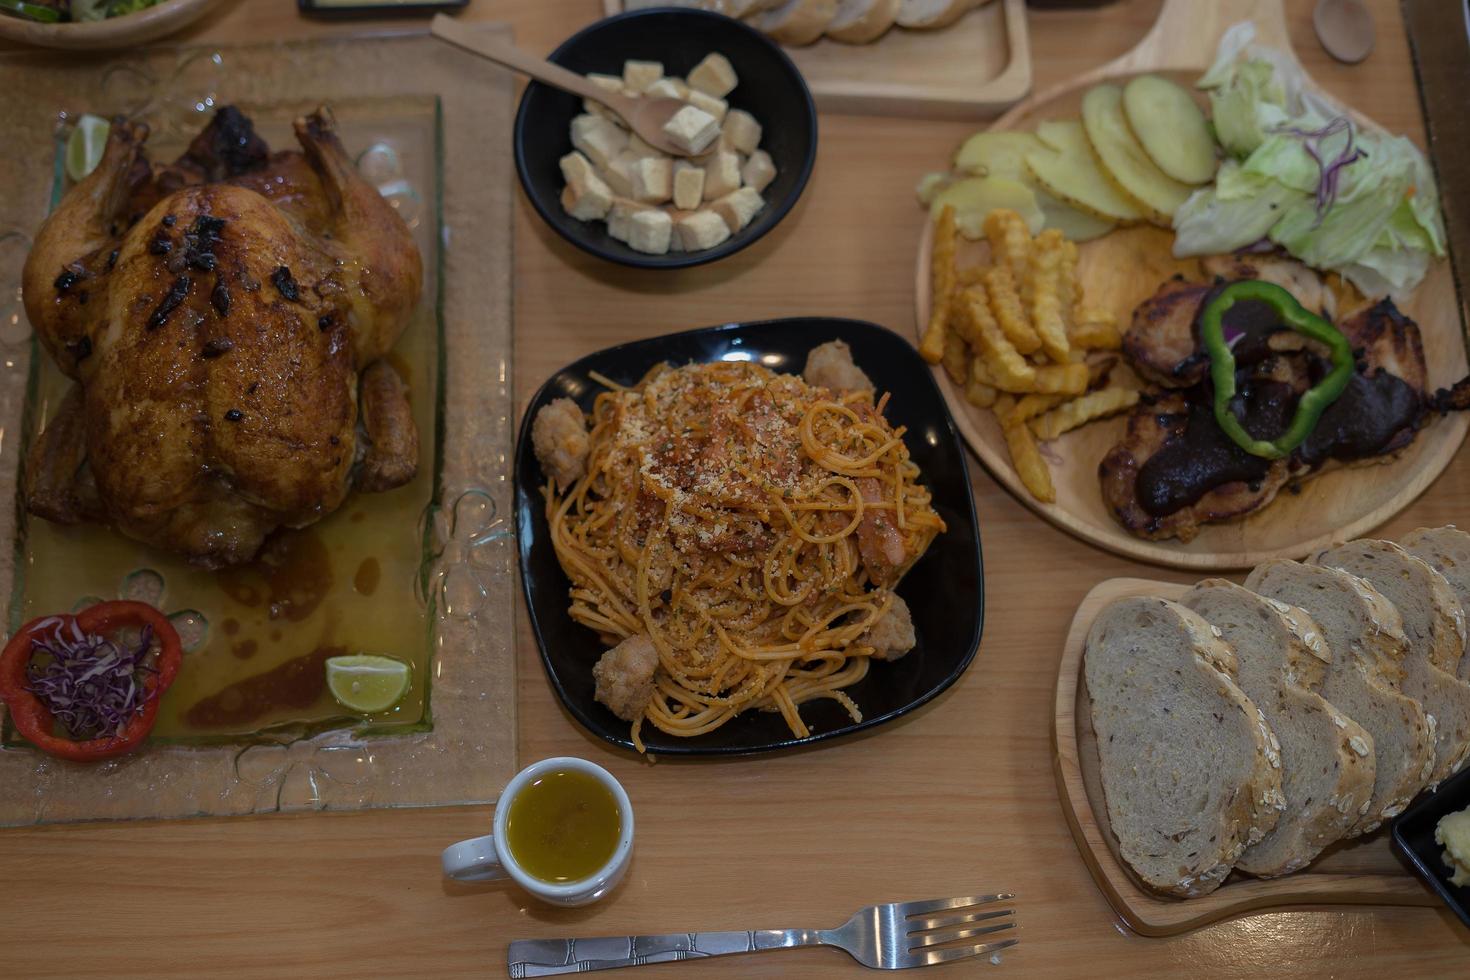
<point>892,636</point>
<point>624,676</point>
<point>830,366</point>
<point>559,437</point>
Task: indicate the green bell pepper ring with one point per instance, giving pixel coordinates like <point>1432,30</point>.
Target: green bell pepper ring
<point>1313,402</point>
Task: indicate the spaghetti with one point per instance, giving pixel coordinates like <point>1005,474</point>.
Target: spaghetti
<point>751,526</point>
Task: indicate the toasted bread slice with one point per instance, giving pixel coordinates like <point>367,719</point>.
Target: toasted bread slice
<point>1366,639</point>
<point>862,21</point>
<point>796,21</point>
<point>1448,550</point>
<point>1190,770</point>
<point>1434,624</point>
<point>1327,759</point>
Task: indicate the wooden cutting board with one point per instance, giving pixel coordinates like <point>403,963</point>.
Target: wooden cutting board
<point>974,69</point>
<point>1365,871</point>
<point>1123,268</point>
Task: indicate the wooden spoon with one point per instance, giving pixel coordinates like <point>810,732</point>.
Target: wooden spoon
<point>1345,28</point>
<point>645,116</point>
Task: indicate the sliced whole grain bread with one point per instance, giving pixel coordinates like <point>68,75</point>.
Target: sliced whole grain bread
<point>1447,549</point>
<point>1190,770</point>
<point>1433,623</point>
<point>1366,640</point>
<point>1327,759</point>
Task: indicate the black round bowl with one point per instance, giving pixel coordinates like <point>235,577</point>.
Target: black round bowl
<point>771,89</point>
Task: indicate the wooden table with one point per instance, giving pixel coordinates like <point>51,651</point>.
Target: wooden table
<point>956,799</point>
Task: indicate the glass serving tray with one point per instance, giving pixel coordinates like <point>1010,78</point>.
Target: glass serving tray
<point>423,572</point>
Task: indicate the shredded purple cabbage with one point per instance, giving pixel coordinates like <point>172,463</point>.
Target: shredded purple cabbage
<point>1328,172</point>
<point>91,684</point>
<point>1230,334</point>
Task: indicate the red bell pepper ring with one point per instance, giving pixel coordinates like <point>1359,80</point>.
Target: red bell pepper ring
<point>36,723</point>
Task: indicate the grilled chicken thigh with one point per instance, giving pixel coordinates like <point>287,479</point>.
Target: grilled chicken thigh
<point>223,317</point>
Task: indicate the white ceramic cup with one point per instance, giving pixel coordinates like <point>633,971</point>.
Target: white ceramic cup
<point>488,858</point>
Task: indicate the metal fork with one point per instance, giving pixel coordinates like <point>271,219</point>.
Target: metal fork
<point>895,936</point>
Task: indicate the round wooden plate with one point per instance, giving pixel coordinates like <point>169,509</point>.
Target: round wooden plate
<point>1364,871</point>
<point>139,27</point>
<point>1121,269</point>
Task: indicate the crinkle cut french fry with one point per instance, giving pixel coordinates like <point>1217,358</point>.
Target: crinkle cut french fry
<point>956,358</point>
<point>1005,305</point>
<point>980,371</point>
<point>1080,411</point>
<point>1030,406</point>
<point>1026,457</point>
<point>1060,379</point>
<point>977,392</point>
<point>962,314</point>
<point>1096,329</point>
<point>1007,366</point>
<point>941,287</point>
<point>1041,295</point>
<point>1068,289</point>
<point>1010,240</point>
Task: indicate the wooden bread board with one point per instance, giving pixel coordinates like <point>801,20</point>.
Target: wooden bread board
<point>1121,269</point>
<point>1365,871</point>
<point>974,69</point>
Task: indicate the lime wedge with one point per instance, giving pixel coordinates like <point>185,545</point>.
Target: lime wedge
<point>84,146</point>
<point>366,683</point>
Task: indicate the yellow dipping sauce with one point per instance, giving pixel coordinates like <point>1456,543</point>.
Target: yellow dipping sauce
<point>563,826</point>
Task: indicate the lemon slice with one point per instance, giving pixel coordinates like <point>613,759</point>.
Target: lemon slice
<point>367,683</point>
<point>84,146</point>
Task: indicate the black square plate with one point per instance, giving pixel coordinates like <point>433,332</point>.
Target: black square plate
<point>1413,835</point>
<point>944,590</point>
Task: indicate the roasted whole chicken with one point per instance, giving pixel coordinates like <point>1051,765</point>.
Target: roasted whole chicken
<point>224,318</point>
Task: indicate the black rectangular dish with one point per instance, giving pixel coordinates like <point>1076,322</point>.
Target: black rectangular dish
<point>1413,835</point>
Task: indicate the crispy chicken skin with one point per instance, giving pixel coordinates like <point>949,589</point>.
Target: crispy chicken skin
<point>217,339</point>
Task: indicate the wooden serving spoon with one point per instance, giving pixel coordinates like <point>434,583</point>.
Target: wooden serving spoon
<point>644,116</point>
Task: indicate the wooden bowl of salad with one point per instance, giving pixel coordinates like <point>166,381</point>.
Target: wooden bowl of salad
<point>95,25</point>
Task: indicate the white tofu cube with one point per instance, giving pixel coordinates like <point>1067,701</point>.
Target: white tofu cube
<point>664,88</point>
<point>688,187</point>
<point>576,170</point>
<point>737,208</point>
<point>638,148</point>
<point>620,217</point>
<point>721,175</point>
<point>742,131</point>
<point>613,84</point>
<point>589,202</point>
<point>599,140</point>
<point>653,179</point>
<point>619,174</point>
<point>710,104</point>
<point>714,75</point>
<point>692,129</point>
<point>701,230</point>
<point>638,75</point>
<point>759,171</point>
<point>649,231</point>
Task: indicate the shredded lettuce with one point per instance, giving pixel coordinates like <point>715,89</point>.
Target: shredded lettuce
<point>1302,173</point>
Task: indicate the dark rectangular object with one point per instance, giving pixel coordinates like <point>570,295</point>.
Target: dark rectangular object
<point>379,8</point>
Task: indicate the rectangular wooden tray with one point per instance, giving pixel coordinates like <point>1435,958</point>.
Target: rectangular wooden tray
<point>974,69</point>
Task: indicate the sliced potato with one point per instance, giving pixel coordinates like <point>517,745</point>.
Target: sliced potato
<point>1078,226</point>
<point>996,154</point>
<point>1123,159</point>
<point>931,184</point>
<point>1171,128</point>
<point>974,197</point>
<point>1067,170</point>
